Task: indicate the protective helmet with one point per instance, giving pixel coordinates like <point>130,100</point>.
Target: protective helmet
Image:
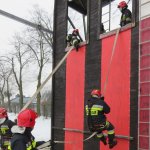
<point>26,118</point>
<point>75,31</point>
<point>3,113</point>
<point>96,92</point>
<point>122,4</point>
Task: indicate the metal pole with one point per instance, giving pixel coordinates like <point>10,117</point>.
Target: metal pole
<point>109,13</point>
<point>26,22</point>
<point>88,132</point>
<point>84,25</point>
<point>74,27</point>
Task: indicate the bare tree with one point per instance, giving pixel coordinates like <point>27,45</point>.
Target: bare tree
<point>20,58</point>
<point>5,74</point>
<point>2,84</point>
<point>8,93</point>
<point>40,46</point>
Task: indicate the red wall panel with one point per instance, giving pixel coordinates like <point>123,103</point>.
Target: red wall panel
<point>144,102</point>
<point>74,113</point>
<point>144,112</point>
<point>145,62</point>
<point>144,142</point>
<point>144,75</point>
<point>145,48</point>
<point>144,115</point>
<point>144,129</point>
<point>145,35</point>
<point>117,93</point>
<point>145,88</point>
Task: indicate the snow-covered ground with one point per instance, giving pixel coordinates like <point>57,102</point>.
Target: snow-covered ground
<point>42,129</point>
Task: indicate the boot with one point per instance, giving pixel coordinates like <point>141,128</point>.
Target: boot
<point>112,140</point>
<point>112,144</point>
<point>77,48</point>
<point>103,139</point>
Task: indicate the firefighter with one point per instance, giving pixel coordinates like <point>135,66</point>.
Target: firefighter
<point>5,129</point>
<point>22,137</point>
<point>96,109</point>
<point>73,39</point>
<point>126,16</point>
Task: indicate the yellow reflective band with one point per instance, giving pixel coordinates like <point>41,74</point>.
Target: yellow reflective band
<point>94,111</point>
<point>97,109</point>
<point>75,42</point>
<point>123,18</point>
<point>99,135</point>
<point>128,19</point>
<point>4,129</point>
<point>87,110</point>
<point>29,147</point>
<point>107,124</point>
<point>9,147</point>
<point>6,143</point>
<point>34,144</point>
<point>111,132</point>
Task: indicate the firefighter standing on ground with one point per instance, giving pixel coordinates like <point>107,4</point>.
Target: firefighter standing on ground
<point>126,14</point>
<point>5,129</point>
<point>73,39</point>
<point>22,137</point>
<point>96,109</point>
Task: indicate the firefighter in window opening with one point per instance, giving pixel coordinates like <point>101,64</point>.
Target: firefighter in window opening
<point>22,137</point>
<point>126,16</point>
<point>73,39</point>
<point>96,109</point>
<point>5,129</point>
<point>102,29</point>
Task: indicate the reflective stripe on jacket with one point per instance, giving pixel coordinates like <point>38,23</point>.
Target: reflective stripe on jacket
<point>5,133</point>
<point>96,109</point>
<point>126,17</point>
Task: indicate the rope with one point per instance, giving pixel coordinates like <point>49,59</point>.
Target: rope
<point>48,144</point>
<point>46,80</point>
<point>72,130</point>
<point>92,135</point>
<point>78,131</point>
<point>113,51</point>
<point>88,132</point>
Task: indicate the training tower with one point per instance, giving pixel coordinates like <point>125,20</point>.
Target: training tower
<point>127,70</point>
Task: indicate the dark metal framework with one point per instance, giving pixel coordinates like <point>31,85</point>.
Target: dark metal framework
<point>26,22</point>
<point>81,5</point>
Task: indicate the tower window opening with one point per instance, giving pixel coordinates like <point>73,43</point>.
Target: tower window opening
<point>111,14</point>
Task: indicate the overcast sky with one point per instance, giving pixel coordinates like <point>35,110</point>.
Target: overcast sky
<point>8,27</point>
<point>19,8</point>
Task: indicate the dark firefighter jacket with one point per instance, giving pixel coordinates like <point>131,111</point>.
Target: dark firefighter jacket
<point>5,133</point>
<point>96,109</point>
<point>125,17</point>
<point>23,141</point>
<point>72,39</point>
